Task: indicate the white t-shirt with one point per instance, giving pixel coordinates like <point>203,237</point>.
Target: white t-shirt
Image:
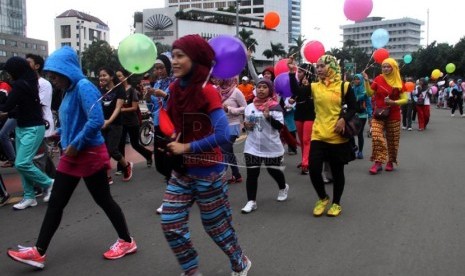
<point>45,95</point>
<point>263,140</point>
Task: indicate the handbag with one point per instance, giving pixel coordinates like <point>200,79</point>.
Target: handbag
<point>381,113</point>
<point>353,125</point>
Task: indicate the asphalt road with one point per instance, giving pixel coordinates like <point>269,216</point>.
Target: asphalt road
<point>405,222</point>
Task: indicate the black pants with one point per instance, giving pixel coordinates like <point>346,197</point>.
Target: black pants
<point>112,136</point>
<point>133,132</point>
<point>63,188</point>
<point>458,103</point>
<point>253,164</point>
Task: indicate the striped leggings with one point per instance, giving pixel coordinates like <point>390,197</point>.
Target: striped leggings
<point>211,197</point>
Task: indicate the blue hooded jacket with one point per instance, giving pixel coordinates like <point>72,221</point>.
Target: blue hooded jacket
<point>80,113</point>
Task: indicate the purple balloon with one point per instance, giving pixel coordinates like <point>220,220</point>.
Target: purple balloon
<point>230,56</point>
<point>282,85</point>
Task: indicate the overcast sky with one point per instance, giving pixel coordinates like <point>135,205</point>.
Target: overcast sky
<point>320,21</point>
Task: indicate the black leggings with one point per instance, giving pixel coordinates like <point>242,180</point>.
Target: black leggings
<point>253,164</point>
<point>63,188</point>
<point>337,170</point>
<point>133,132</point>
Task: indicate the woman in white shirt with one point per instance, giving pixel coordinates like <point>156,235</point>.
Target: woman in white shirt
<point>263,119</point>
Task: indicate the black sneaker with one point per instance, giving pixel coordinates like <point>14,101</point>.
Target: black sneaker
<point>4,199</point>
<point>149,163</point>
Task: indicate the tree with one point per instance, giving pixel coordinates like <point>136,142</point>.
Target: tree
<point>99,54</point>
<point>246,38</point>
<point>295,50</point>
<point>277,50</point>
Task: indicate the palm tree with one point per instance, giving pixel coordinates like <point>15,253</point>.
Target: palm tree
<point>295,50</point>
<point>248,40</point>
<point>276,50</point>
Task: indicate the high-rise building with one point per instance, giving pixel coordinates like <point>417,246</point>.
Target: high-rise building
<point>289,11</point>
<point>79,30</point>
<point>13,40</point>
<point>404,34</point>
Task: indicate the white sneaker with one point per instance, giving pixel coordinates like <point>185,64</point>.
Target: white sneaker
<point>245,270</point>
<point>48,192</point>
<point>249,207</point>
<point>282,194</point>
<point>404,128</point>
<point>452,115</point>
<point>160,209</point>
<point>24,203</point>
<point>409,129</point>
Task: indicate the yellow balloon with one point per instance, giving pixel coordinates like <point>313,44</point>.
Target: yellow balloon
<point>436,74</point>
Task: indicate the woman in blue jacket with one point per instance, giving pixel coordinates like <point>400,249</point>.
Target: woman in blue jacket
<point>84,156</point>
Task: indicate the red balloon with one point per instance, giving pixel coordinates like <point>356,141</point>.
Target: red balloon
<point>271,20</point>
<point>313,50</point>
<point>409,86</point>
<point>380,55</point>
<point>166,125</point>
<point>281,67</point>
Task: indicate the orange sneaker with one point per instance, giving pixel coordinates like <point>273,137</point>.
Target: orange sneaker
<point>27,255</point>
<point>120,248</point>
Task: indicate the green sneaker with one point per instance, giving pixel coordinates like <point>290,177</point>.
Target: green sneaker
<point>335,210</point>
<point>320,206</point>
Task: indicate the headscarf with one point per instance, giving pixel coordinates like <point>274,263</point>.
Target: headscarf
<point>393,78</point>
<point>162,59</point>
<point>333,70</point>
<point>226,88</point>
<point>360,88</point>
<point>187,97</point>
<point>271,101</point>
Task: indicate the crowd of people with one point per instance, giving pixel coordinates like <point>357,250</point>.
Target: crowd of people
<point>207,115</point>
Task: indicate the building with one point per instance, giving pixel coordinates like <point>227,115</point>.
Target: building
<point>289,11</point>
<point>79,30</point>
<point>404,34</point>
<point>13,40</point>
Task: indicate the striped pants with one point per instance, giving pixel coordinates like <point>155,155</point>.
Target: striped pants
<point>211,197</point>
<point>385,140</point>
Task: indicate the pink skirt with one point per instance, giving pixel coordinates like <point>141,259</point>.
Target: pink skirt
<point>86,163</point>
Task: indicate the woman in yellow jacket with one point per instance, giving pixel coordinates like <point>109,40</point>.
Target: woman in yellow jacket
<point>328,144</point>
<point>388,91</point>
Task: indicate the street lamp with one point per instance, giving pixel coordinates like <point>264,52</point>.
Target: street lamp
<point>237,17</point>
<point>79,25</point>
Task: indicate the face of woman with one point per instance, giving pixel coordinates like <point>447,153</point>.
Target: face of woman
<point>321,70</point>
<point>267,75</point>
<point>58,81</point>
<point>160,71</point>
<point>262,91</point>
<point>181,63</point>
<point>120,76</point>
<point>356,81</point>
<point>300,74</point>
<point>386,68</point>
<point>104,78</point>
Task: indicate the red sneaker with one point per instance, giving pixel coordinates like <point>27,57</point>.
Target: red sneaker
<point>27,255</point>
<point>377,167</point>
<point>389,167</point>
<point>120,248</point>
<point>127,172</point>
<point>234,180</point>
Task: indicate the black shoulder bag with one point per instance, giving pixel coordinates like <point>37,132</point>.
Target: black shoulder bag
<point>353,125</point>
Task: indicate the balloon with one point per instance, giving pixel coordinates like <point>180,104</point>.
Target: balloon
<point>357,10</point>
<point>427,78</point>
<point>409,86</point>
<point>137,53</point>
<point>271,20</point>
<point>450,68</point>
<point>436,74</point>
<point>408,59</point>
<point>380,55</point>
<point>281,67</point>
<point>313,50</point>
<point>379,38</point>
<point>282,85</point>
<point>434,89</point>
<point>230,56</point>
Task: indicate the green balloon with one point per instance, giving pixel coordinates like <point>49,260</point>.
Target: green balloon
<point>450,68</point>
<point>137,53</point>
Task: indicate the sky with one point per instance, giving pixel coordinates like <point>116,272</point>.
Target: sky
<point>320,21</point>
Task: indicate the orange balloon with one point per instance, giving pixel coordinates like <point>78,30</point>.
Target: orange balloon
<point>409,86</point>
<point>271,20</point>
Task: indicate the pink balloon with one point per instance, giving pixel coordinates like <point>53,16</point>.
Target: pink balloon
<point>313,50</point>
<point>434,89</point>
<point>357,10</point>
<point>281,67</point>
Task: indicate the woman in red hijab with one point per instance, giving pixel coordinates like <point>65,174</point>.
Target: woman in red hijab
<point>200,125</point>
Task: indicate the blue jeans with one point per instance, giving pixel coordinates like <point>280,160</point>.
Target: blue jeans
<point>28,140</point>
<point>5,141</point>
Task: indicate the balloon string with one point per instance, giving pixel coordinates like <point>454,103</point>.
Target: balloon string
<point>368,63</point>
<point>209,74</point>
<point>108,92</point>
<point>298,67</point>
